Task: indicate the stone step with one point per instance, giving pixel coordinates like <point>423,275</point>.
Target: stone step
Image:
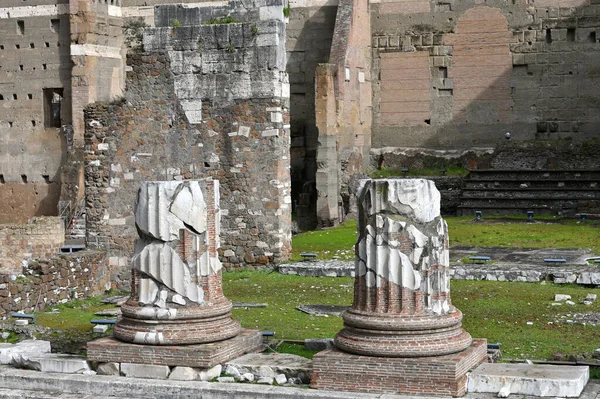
<point>529,379</point>
<point>537,174</point>
<point>534,194</point>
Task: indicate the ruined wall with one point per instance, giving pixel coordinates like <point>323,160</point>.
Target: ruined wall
<point>308,44</point>
<point>40,238</point>
<point>34,45</point>
<point>201,100</point>
<point>460,75</point>
<point>47,282</point>
<point>343,111</point>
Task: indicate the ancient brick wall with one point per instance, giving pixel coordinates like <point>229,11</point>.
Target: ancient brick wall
<point>343,111</point>
<point>213,104</point>
<point>47,282</point>
<point>460,75</point>
<point>40,238</point>
<point>34,39</point>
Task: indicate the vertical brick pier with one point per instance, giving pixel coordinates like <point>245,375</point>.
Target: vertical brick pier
<point>177,303</point>
<point>402,334</point>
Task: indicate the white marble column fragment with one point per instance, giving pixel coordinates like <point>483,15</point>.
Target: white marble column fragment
<point>402,301</point>
<point>176,272</point>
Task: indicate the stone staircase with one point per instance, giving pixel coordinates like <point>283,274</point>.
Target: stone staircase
<point>545,192</point>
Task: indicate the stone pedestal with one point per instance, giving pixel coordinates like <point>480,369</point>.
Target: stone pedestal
<point>177,296</point>
<point>402,307</point>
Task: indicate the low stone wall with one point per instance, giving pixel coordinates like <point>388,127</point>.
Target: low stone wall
<point>48,282</point>
<point>40,238</point>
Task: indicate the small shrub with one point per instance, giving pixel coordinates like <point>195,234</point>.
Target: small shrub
<point>220,21</point>
<point>176,23</point>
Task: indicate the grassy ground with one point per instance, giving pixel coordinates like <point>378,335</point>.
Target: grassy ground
<point>544,232</point>
<point>498,311</point>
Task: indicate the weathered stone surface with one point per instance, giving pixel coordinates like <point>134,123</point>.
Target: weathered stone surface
<point>526,379</point>
<point>144,371</point>
<point>561,297</point>
<point>110,368</point>
<point>51,363</point>
<point>35,347</point>
<point>100,329</point>
<point>273,364</point>
<point>211,373</point>
<point>181,373</point>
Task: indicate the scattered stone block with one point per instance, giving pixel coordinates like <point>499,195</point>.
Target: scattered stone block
<point>272,364</point>
<point>211,373</point>
<point>8,351</point>
<point>152,371</point>
<point>247,377</point>
<point>181,373</point>
<point>591,297</point>
<point>265,380</point>
<point>225,379</point>
<point>100,329</point>
<point>21,322</point>
<point>280,379</point>
<point>51,363</point>
<point>110,368</point>
<point>526,379</point>
<point>232,371</point>
<point>561,297</point>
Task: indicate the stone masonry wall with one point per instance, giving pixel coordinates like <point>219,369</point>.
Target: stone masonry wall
<point>40,238</point>
<point>308,43</point>
<point>343,112</point>
<point>202,100</point>
<point>460,75</point>
<point>56,280</point>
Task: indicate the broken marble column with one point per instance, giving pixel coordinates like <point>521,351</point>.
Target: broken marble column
<point>177,296</point>
<point>402,304</point>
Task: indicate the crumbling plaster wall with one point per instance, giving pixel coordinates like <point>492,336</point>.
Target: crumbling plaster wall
<point>34,44</point>
<point>201,100</point>
<point>458,75</point>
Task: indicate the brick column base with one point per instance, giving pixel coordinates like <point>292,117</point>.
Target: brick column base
<point>197,355</point>
<point>435,375</point>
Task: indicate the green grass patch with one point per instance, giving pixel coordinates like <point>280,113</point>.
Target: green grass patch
<point>283,293</point>
<point>333,243</point>
<point>516,232</point>
<point>498,311</point>
<point>295,349</point>
<point>74,315</point>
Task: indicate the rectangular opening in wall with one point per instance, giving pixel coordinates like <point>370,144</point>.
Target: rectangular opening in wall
<point>24,178</point>
<point>31,45</point>
<point>443,72</point>
<point>46,179</point>
<point>2,181</point>
<point>548,36</point>
<point>445,92</point>
<point>17,46</point>
<point>571,34</point>
<point>55,25</point>
<point>20,27</point>
<point>52,107</point>
<point>592,37</point>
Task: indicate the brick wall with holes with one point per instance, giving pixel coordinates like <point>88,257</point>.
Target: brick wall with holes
<point>40,238</point>
<point>50,281</point>
<point>458,76</point>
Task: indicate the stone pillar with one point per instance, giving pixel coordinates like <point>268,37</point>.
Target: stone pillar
<point>402,304</point>
<point>402,333</point>
<point>176,295</point>
<point>176,314</point>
